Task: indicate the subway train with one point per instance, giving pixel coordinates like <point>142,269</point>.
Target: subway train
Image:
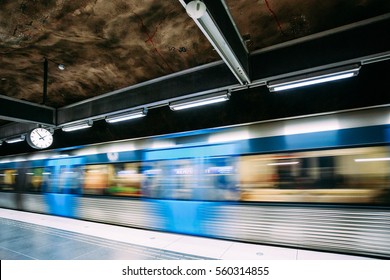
<point>319,182</point>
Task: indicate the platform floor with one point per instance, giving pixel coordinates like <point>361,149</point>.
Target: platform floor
<point>25,236</point>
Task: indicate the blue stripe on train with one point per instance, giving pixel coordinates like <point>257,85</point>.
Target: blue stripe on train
<point>319,140</point>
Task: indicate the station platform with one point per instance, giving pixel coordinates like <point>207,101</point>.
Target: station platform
<point>31,236</point>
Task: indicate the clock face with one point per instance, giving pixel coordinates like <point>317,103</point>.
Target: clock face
<point>40,138</point>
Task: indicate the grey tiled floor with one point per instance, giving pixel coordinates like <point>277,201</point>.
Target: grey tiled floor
<point>25,241</point>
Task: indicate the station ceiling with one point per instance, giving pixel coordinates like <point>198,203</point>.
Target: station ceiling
<point>120,54</point>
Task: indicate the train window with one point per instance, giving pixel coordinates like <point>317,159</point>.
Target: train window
<point>123,179</point>
<point>8,179</point>
<point>34,179</point>
<point>201,178</point>
<point>169,179</point>
<point>356,175</point>
<point>219,176</point>
<point>95,179</point>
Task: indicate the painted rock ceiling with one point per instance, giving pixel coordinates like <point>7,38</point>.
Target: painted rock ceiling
<point>108,45</point>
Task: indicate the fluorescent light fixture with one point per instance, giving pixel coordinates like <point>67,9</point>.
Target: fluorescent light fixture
<point>77,126</point>
<point>15,139</point>
<point>284,163</point>
<point>199,101</point>
<point>315,78</point>
<point>207,25</point>
<point>371,159</point>
<point>127,116</point>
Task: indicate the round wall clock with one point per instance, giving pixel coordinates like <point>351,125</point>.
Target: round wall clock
<point>39,138</point>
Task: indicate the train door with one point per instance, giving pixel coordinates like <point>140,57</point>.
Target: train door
<point>63,184</point>
<point>187,184</point>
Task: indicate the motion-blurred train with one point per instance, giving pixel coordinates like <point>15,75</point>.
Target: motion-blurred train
<point>316,182</point>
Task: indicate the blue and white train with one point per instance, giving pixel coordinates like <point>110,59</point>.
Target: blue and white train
<point>317,182</point>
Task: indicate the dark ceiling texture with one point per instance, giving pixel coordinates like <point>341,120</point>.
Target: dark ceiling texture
<point>109,45</point>
<point>104,45</point>
<point>130,53</point>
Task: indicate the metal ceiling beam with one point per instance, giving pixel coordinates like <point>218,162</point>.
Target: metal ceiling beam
<point>13,129</point>
<point>153,93</point>
<point>218,26</point>
<point>26,112</point>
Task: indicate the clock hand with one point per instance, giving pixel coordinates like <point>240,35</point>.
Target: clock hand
<point>40,136</point>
